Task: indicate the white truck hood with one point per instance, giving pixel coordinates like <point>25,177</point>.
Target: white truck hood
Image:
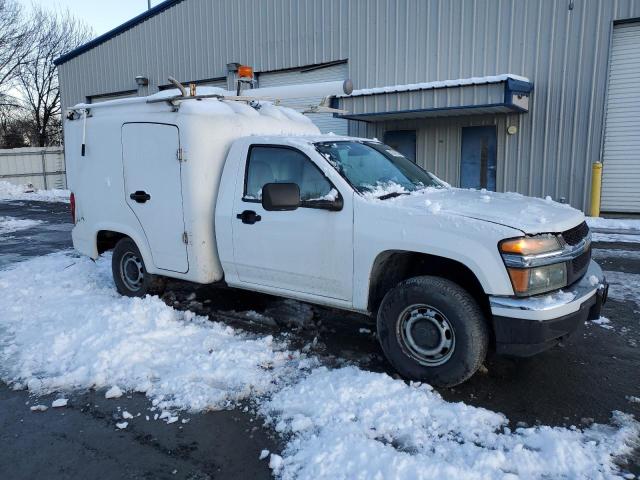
<point>528,214</point>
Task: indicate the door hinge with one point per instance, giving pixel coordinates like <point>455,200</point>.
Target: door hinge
<point>185,238</point>
<point>180,155</point>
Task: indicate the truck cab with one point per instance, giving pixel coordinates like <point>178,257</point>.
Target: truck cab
<point>250,194</point>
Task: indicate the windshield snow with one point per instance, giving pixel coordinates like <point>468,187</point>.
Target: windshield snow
<point>375,168</point>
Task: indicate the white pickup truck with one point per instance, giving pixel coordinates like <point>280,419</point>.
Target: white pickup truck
<point>216,188</point>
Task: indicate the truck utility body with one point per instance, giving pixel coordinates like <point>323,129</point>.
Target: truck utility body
<point>249,193</point>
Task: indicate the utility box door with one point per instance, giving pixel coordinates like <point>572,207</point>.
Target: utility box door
<point>152,169</point>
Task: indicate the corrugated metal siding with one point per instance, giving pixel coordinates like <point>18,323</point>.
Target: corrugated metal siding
<point>325,122</point>
<point>621,156</point>
<point>564,52</point>
<point>113,96</point>
<point>214,83</point>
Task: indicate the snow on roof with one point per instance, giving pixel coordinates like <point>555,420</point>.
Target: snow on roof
<point>459,82</point>
<point>207,106</point>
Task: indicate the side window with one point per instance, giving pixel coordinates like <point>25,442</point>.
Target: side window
<point>283,165</point>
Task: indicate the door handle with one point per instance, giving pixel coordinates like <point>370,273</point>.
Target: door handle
<point>249,216</point>
<point>140,196</point>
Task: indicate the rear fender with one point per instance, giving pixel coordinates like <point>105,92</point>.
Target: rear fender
<point>138,237</point>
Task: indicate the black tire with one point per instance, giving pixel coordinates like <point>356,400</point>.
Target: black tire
<point>126,259</point>
<point>432,330</point>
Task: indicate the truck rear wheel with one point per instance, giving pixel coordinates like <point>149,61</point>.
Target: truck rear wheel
<point>129,273</point>
<point>432,330</point>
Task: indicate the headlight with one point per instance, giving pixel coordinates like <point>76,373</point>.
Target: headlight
<point>523,257</point>
<point>531,245</point>
<point>531,281</point>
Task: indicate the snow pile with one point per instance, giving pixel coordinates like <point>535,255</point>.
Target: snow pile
<point>614,223</point>
<point>61,402</point>
<point>433,207</point>
<point>113,392</point>
<point>66,328</point>
<point>603,322</point>
<point>9,191</point>
<point>12,224</point>
<point>349,423</point>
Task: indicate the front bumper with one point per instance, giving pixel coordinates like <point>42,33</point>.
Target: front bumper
<point>526,326</point>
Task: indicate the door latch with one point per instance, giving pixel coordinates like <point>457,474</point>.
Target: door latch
<point>140,196</point>
<point>249,217</point>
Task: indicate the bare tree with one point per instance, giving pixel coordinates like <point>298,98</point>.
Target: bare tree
<point>16,40</point>
<point>14,128</point>
<point>57,34</point>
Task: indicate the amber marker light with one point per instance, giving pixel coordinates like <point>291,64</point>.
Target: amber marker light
<point>245,71</point>
<point>519,279</point>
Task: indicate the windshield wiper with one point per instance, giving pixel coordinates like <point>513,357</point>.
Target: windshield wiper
<point>392,195</point>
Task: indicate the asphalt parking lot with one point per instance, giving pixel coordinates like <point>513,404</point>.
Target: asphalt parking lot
<point>593,374</point>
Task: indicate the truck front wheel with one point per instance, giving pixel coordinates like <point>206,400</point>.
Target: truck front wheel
<point>129,273</point>
<point>432,330</point>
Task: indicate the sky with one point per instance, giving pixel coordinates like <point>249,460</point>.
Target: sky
<point>101,15</point>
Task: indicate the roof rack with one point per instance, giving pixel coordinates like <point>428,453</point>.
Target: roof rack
<point>275,94</point>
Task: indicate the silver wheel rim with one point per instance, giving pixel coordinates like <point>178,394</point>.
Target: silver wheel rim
<point>426,335</point>
<point>132,271</point>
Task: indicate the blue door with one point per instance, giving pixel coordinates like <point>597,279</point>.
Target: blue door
<point>478,159</point>
<point>403,141</point>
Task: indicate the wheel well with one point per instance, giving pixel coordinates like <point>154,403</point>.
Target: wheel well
<point>392,267</point>
<point>106,240</point>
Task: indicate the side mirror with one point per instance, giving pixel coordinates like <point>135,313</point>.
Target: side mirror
<point>280,196</point>
<point>336,205</point>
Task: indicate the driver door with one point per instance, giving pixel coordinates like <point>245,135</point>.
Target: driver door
<point>307,250</point>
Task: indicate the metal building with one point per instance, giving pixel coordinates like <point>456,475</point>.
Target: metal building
<point>508,95</point>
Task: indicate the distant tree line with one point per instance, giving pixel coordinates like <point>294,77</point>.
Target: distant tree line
<point>30,109</point>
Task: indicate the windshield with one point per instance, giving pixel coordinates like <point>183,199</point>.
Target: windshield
<point>375,168</point>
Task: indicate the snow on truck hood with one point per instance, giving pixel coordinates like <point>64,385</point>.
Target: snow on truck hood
<point>528,214</point>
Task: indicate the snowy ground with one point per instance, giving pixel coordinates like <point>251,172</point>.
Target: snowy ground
<point>65,329</point>
<point>9,191</point>
<point>599,253</point>
<point>614,223</point>
<point>615,230</point>
<point>615,237</point>
<point>624,286</point>
<point>12,224</point>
